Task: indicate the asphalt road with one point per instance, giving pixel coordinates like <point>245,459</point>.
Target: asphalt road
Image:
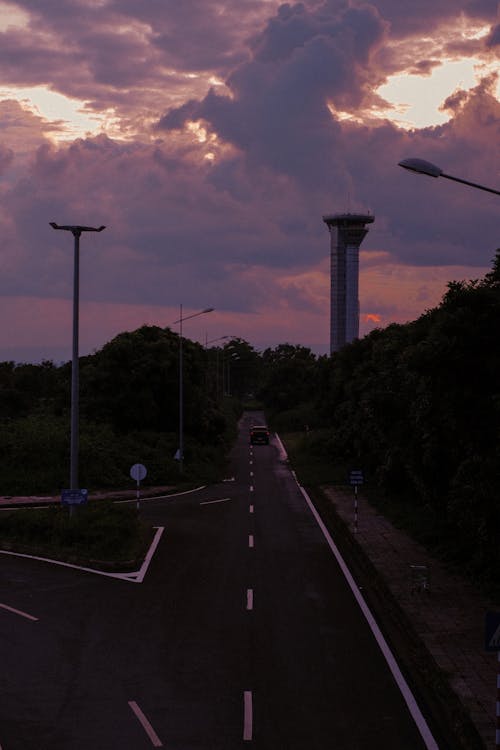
<point>243,633</point>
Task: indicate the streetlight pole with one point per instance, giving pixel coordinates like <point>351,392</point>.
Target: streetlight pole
<point>181,381</point>
<point>431,170</point>
<point>76,231</point>
<point>207,342</point>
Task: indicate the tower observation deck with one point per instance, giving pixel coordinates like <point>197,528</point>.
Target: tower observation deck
<point>347,232</point>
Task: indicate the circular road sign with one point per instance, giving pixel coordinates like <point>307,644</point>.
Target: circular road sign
<point>138,472</point>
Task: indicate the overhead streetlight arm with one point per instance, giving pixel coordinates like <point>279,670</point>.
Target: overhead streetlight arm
<point>76,229</point>
<point>431,170</point>
<point>194,315</point>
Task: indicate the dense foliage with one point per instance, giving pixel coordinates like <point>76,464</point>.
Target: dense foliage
<point>417,407</point>
<point>129,413</point>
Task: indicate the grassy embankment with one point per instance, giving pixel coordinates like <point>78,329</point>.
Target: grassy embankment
<point>101,534</point>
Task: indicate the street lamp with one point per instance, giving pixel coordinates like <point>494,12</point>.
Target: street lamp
<point>181,382</point>
<point>426,167</point>
<point>219,338</point>
<point>76,231</point>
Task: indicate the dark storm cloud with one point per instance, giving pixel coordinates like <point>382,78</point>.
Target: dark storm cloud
<point>278,110</point>
<point>221,202</point>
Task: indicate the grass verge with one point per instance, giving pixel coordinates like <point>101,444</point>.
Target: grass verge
<point>100,534</point>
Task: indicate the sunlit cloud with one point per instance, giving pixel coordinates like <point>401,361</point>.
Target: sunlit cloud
<point>12,16</point>
<point>416,100</point>
<point>65,118</point>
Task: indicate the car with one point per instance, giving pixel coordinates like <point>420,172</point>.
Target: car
<point>259,435</point>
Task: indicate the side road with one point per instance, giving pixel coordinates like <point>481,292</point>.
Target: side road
<point>444,610</point>
<point>7,501</point>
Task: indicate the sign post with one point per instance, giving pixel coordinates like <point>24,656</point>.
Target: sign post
<point>356,479</point>
<point>492,643</point>
<point>138,472</point>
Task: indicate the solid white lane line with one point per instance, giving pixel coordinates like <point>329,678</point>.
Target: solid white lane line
<point>18,612</point>
<point>214,502</point>
<point>247,716</point>
<point>155,740</point>
<point>136,577</point>
<point>250,540</point>
<point>418,717</point>
<point>162,497</point>
<point>251,509</point>
<point>139,577</point>
<point>249,599</point>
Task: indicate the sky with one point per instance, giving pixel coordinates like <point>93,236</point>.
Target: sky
<point>211,136</point>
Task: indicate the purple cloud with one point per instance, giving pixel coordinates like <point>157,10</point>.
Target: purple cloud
<point>240,125</point>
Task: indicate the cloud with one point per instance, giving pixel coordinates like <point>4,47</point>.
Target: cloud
<point>237,126</point>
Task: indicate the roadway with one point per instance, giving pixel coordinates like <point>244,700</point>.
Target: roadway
<point>244,633</point>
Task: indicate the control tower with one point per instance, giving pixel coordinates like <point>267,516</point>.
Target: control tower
<point>347,232</point>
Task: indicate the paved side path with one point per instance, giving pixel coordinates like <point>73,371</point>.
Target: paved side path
<point>449,618</point>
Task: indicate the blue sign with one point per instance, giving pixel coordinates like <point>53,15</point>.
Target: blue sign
<point>492,631</point>
<point>356,477</point>
<point>74,497</point>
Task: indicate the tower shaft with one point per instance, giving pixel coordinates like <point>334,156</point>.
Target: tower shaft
<point>347,232</point>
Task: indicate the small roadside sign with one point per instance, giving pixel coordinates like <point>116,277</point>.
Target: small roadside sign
<point>74,497</point>
<point>138,472</point>
<point>356,477</point>
<point>492,631</point>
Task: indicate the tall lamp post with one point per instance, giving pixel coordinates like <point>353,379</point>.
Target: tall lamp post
<point>181,381</point>
<point>431,170</point>
<point>219,338</point>
<point>76,231</point>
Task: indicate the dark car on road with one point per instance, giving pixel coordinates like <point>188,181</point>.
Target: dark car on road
<point>259,435</point>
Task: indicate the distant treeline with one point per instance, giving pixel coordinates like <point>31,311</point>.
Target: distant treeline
<point>415,406</point>
<point>129,413</point>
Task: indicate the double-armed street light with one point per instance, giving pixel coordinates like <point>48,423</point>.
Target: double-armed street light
<point>181,319</point>
<point>76,231</point>
<point>431,170</point>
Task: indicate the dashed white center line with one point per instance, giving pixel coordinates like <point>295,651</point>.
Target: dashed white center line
<point>251,509</point>
<point>155,740</point>
<point>18,612</point>
<point>251,473</point>
<point>247,716</point>
<point>251,488</point>
<point>249,600</point>
<point>250,541</point>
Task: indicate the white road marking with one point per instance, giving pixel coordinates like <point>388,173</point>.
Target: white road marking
<point>251,509</point>
<point>418,718</point>
<point>155,740</point>
<point>247,716</point>
<point>249,600</point>
<point>251,488</point>
<point>162,497</point>
<point>18,612</point>
<point>135,577</point>
<point>251,473</point>
<point>214,502</point>
<point>139,576</point>
<point>250,541</point>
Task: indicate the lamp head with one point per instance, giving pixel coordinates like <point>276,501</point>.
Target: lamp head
<point>421,166</point>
